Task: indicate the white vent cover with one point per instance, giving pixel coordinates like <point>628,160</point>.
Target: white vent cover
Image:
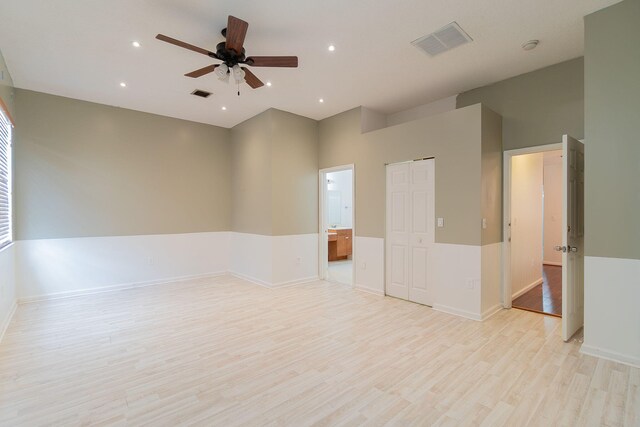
<point>444,39</point>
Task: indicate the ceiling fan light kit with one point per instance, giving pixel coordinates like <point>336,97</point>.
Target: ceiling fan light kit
<point>232,53</point>
<point>222,71</point>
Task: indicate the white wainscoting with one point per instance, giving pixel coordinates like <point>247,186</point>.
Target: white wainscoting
<point>457,279</point>
<point>456,275</point>
<point>274,261</point>
<point>369,264</point>
<point>7,287</point>
<point>62,267</point>
<point>491,293</point>
<point>252,257</point>
<point>612,317</point>
<point>295,259</point>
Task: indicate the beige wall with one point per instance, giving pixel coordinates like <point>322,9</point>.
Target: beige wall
<point>251,175</point>
<point>338,137</point>
<point>294,174</point>
<point>85,169</point>
<point>454,139</point>
<point>537,108</point>
<point>526,220</point>
<point>275,174</point>
<point>491,181</point>
<point>612,150</point>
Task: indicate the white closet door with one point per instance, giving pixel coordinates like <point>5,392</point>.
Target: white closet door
<point>421,237</point>
<point>410,230</point>
<point>397,235</point>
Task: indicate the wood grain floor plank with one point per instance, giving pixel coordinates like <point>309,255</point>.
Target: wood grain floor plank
<point>221,351</point>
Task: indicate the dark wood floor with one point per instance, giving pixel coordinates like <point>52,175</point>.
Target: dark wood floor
<point>545,298</point>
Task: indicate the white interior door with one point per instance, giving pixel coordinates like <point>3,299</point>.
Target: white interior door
<point>410,230</point>
<point>397,235</point>
<point>572,237</point>
<point>421,236</point>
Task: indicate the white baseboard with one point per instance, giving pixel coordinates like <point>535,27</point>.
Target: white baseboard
<point>113,288</point>
<point>557,264</point>
<point>491,311</point>
<point>296,282</point>
<point>527,288</point>
<point>457,312</point>
<point>250,279</point>
<point>610,355</point>
<point>369,290</point>
<point>7,320</point>
<point>268,285</point>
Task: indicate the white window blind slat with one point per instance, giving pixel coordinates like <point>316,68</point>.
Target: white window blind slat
<point>5,180</point>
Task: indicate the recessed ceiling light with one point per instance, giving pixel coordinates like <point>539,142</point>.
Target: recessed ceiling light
<point>123,84</point>
<point>269,84</point>
<point>530,45</point>
<point>135,44</point>
<point>331,48</point>
<point>320,100</point>
<point>224,108</point>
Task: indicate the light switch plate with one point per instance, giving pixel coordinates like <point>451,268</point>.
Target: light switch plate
<point>440,222</point>
<point>484,223</point>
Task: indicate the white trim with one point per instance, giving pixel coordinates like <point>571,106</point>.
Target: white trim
<point>323,243</point>
<point>458,312</point>
<point>295,282</point>
<point>120,287</point>
<point>610,355</point>
<point>506,213</point>
<point>527,288</point>
<point>268,285</point>
<point>369,290</point>
<point>553,263</point>
<point>491,311</point>
<point>7,320</point>
<point>250,279</point>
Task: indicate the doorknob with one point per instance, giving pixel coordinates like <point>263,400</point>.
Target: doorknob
<point>561,248</point>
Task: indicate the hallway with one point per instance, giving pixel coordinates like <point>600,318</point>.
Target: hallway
<point>545,298</point>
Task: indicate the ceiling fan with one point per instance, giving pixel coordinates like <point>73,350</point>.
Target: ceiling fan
<point>231,52</point>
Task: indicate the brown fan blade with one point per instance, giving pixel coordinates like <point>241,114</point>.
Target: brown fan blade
<point>272,61</point>
<point>185,45</point>
<point>202,71</point>
<point>236,32</point>
<point>251,79</point>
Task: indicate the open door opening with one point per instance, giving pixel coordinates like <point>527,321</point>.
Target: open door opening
<point>536,228</point>
<point>544,229</point>
<point>337,225</point>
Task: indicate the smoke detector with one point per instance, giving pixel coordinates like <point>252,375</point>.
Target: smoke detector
<point>442,40</point>
<point>530,45</point>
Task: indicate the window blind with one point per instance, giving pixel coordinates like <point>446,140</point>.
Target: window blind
<point>5,180</point>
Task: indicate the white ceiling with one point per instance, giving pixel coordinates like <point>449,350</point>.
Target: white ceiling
<point>82,49</point>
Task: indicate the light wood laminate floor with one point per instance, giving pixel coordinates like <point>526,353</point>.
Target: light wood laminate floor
<point>221,351</point>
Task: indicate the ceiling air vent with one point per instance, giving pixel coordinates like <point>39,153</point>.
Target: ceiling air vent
<point>201,93</point>
<point>446,38</point>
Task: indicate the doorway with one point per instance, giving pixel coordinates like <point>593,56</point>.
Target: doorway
<point>521,232</point>
<point>337,225</point>
<point>536,228</point>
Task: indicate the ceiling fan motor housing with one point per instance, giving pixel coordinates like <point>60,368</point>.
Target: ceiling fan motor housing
<point>229,56</point>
